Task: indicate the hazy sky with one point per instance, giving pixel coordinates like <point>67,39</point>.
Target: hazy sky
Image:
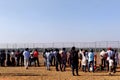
<point>59,20</point>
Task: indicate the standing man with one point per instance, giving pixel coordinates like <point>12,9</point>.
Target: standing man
<point>21,58</point>
<point>47,54</point>
<point>103,58</point>
<point>3,57</point>
<point>91,60</point>
<point>17,54</point>
<point>35,55</point>
<point>26,55</point>
<point>63,59</point>
<point>83,61</point>
<point>58,60</point>
<point>74,60</point>
<point>12,55</point>
<point>115,60</point>
<point>109,54</point>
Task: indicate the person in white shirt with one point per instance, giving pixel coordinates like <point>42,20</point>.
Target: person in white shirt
<point>80,58</point>
<point>109,54</point>
<point>26,55</point>
<point>47,54</point>
<point>103,58</point>
<point>83,61</point>
<point>110,65</point>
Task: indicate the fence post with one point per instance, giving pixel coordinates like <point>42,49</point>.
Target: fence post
<point>95,47</point>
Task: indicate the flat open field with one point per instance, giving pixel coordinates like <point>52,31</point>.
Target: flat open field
<point>40,73</point>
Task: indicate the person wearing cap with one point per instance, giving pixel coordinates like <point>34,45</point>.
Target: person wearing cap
<point>74,61</point>
<point>91,60</point>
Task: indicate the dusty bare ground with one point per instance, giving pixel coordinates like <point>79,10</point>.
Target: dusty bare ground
<point>40,73</point>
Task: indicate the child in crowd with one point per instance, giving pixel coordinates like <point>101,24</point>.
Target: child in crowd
<point>110,65</point>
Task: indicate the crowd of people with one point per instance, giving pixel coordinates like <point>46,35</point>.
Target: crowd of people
<point>86,60</point>
<point>19,57</point>
<point>82,59</point>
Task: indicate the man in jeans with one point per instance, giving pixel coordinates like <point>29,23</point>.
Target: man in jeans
<point>26,55</point>
<point>91,60</point>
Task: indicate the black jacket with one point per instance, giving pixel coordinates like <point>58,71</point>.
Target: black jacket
<point>73,57</point>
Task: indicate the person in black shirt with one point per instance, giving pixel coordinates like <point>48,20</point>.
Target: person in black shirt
<point>17,54</point>
<point>8,62</point>
<point>3,57</point>
<point>74,60</point>
<point>58,60</point>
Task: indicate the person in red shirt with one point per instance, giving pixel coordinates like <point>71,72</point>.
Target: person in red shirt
<point>36,58</point>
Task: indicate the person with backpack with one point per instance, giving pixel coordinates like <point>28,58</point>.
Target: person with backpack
<point>36,57</point>
<point>63,59</point>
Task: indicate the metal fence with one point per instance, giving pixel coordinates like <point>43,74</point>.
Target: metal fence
<point>98,44</point>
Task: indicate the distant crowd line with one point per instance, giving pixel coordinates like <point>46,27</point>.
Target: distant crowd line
<point>76,59</point>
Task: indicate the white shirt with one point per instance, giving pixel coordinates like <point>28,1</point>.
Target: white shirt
<point>102,53</point>
<point>83,59</point>
<point>110,62</point>
<point>12,54</point>
<point>26,54</point>
<point>47,55</point>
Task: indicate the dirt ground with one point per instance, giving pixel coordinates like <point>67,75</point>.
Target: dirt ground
<point>40,73</point>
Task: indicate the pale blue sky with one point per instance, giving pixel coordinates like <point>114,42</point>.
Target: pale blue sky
<point>26,21</point>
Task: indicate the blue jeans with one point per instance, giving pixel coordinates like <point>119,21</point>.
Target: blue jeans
<point>91,63</point>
